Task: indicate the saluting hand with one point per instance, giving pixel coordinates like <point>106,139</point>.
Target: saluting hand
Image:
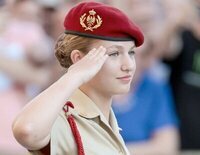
<point>86,68</point>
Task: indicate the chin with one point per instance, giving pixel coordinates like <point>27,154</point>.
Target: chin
<point>122,90</point>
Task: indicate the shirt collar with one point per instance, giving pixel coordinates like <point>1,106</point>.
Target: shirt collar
<point>85,107</point>
<point>113,122</point>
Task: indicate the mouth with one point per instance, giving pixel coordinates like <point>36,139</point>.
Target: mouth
<point>126,78</point>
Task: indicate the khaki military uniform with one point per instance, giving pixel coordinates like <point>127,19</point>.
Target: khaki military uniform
<point>98,135</point>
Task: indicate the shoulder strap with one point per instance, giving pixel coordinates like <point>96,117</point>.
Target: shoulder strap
<point>74,128</point>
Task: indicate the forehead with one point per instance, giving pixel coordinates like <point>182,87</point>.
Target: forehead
<point>117,44</point>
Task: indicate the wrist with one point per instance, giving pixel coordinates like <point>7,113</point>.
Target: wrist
<point>72,79</point>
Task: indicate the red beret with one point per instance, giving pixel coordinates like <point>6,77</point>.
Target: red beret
<point>97,20</point>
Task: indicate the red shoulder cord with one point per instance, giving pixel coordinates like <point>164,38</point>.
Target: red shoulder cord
<point>74,128</point>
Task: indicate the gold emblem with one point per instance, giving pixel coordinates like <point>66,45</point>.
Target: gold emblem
<point>90,22</point>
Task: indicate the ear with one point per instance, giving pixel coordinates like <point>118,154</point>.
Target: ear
<point>76,55</point>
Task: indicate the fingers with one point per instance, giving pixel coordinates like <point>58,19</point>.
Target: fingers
<point>97,54</point>
<point>101,55</point>
<point>101,52</point>
<point>91,53</point>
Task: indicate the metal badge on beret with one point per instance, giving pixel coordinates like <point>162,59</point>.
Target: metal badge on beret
<point>91,21</point>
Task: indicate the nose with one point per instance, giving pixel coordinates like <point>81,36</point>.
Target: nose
<point>128,64</point>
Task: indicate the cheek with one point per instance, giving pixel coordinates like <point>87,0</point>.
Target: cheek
<point>105,72</point>
<point>134,63</point>
<point>108,70</point>
<point>134,68</point>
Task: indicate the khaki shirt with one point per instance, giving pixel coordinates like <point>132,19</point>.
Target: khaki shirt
<point>98,136</point>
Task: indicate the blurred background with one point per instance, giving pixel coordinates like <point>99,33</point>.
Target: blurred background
<point>160,115</point>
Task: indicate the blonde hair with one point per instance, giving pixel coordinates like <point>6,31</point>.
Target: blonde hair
<point>66,43</point>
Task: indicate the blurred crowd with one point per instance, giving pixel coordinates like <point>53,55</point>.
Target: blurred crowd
<point>160,115</point>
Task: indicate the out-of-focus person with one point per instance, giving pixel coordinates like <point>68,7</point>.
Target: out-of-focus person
<point>24,72</point>
<point>147,115</point>
<point>185,79</point>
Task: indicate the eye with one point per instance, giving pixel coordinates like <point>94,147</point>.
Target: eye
<point>116,53</point>
<point>131,52</point>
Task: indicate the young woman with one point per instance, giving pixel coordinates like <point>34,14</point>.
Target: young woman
<point>74,116</point>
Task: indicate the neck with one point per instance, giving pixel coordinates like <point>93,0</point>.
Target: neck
<point>102,100</point>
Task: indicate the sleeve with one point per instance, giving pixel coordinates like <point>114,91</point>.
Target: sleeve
<point>61,137</point>
<point>163,111</point>
<point>57,141</point>
<point>43,151</point>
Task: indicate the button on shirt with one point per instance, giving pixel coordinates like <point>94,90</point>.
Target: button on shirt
<point>98,135</point>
